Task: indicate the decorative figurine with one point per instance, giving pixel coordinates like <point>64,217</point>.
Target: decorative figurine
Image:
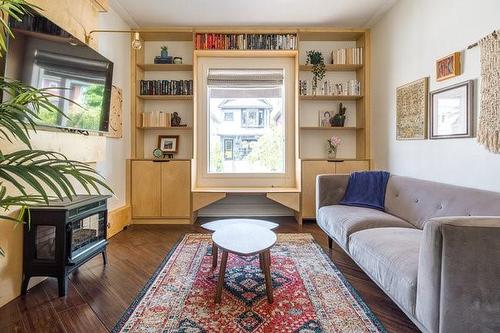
<point>177,60</point>
<point>176,120</point>
<point>164,52</point>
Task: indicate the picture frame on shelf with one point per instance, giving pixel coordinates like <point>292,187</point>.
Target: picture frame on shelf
<point>411,110</point>
<point>168,144</point>
<point>324,118</point>
<point>451,111</point>
<point>448,67</point>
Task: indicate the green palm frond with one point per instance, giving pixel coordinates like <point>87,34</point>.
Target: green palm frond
<point>15,9</point>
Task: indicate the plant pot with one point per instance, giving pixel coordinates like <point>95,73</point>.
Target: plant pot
<point>164,54</point>
<point>337,121</point>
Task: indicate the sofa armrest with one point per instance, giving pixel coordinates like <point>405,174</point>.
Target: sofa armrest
<point>330,189</point>
<point>458,287</point>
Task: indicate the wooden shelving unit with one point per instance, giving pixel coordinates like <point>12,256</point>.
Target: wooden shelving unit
<point>145,174</point>
<point>333,68</point>
<point>319,128</point>
<point>166,67</point>
<point>330,98</point>
<point>166,97</point>
<point>179,128</point>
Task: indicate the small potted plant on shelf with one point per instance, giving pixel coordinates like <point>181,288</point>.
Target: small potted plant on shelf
<point>333,145</point>
<point>164,52</point>
<point>338,120</point>
<point>316,59</point>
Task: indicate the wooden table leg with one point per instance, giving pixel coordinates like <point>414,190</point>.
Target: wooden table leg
<point>261,261</point>
<point>215,255</point>
<point>222,272</point>
<point>267,275</point>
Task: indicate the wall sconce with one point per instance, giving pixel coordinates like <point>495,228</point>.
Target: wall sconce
<point>136,41</point>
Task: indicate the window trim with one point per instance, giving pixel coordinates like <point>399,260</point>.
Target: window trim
<point>202,180</point>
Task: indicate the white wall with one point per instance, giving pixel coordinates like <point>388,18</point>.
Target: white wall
<point>116,47</point>
<point>406,43</point>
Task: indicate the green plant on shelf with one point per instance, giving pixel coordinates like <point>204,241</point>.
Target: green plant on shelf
<point>316,59</point>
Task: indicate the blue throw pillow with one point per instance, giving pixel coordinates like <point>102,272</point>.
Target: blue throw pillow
<point>366,189</point>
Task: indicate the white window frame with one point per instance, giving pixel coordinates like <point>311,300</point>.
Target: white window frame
<point>203,180</point>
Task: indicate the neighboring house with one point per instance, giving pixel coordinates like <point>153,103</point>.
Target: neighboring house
<point>241,122</point>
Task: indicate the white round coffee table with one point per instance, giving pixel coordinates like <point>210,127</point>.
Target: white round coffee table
<point>218,224</point>
<point>245,240</point>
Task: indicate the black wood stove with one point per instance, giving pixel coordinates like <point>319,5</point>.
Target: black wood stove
<point>63,236</point>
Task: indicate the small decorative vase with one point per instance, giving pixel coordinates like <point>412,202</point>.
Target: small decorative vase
<point>332,154</point>
<point>164,54</point>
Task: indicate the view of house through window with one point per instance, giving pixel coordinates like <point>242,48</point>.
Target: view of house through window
<point>246,121</point>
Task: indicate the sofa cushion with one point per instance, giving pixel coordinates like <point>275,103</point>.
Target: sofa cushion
<point>416,200</point>
<point>390,257</point>
<point>341,221</point>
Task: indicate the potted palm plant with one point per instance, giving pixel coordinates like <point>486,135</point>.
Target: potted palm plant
<point>31,177</point>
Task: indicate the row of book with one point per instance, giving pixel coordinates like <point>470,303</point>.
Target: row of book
<point>348,56</point>
<point>166,87</point>
<point>330,88</point>
<point>246,41</point>
<point>156,119</point>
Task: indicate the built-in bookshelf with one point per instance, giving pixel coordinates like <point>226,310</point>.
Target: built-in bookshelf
<point>347,67</point>
<point>191,43</point>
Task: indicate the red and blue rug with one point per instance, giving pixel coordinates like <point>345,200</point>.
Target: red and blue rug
<point>310,293</point>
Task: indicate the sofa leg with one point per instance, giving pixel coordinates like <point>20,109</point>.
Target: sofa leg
<point>330,242</point>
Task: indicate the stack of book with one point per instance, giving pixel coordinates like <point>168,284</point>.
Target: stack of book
<point>166,87</point>
<point>156,119</point>
<point>246,41</point>
<point>330,88</point>
<point>348,56</point>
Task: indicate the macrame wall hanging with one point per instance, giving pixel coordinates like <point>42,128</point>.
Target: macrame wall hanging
<point>489,117</point>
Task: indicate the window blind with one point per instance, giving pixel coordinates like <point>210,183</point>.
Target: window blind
<point>245,83</point>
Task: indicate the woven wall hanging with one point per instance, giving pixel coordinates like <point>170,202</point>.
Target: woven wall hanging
<point>489,117</point>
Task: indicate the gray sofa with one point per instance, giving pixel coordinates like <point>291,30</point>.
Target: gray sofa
<point>435,251</point>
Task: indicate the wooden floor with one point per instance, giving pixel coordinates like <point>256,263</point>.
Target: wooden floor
<point>98,296</point>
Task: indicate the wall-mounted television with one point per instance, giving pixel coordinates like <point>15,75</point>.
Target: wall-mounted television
<point>43,55</point>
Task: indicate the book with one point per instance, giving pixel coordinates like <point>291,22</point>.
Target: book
<point>348,56</point>
<point>209,41</point>
<point>166,87</point>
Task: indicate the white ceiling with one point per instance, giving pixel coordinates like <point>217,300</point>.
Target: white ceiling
<point>338,13</point>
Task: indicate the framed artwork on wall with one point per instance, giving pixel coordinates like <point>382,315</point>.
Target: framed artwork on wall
<point>448,67</point>
<point>411,110</point>
<point>451,111</point>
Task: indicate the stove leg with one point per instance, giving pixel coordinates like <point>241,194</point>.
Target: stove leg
<point>62,284</point>
<point>104,258</point>
<point>24,285</point>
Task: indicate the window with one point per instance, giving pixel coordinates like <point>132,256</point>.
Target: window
<point>252,118</point>
<point>257,149</point>
<point>228,116</point>
<point>228,149</point>
<point>245,112</point>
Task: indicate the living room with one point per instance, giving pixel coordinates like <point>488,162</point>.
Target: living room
<point>250,167</point>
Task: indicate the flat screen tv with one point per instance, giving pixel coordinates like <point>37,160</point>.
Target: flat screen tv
<point>43,55</point>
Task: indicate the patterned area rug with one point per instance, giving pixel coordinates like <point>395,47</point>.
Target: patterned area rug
<point>310,294</point>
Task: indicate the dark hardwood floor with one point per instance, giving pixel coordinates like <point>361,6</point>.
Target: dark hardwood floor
<point>98,296</point>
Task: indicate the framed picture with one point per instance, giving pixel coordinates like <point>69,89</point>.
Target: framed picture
<point>168,144</point>
<point>411,110</point>
<point>324,118</point>
<point>448,66</point>
<point>451,111</point>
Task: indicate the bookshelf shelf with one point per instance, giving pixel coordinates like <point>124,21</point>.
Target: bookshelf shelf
<point>318,128</point>
<point>333,68</point>
<point>166,97</point>
<point>166,67</point>
<point>331,98</point>
<point>179,128</point>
